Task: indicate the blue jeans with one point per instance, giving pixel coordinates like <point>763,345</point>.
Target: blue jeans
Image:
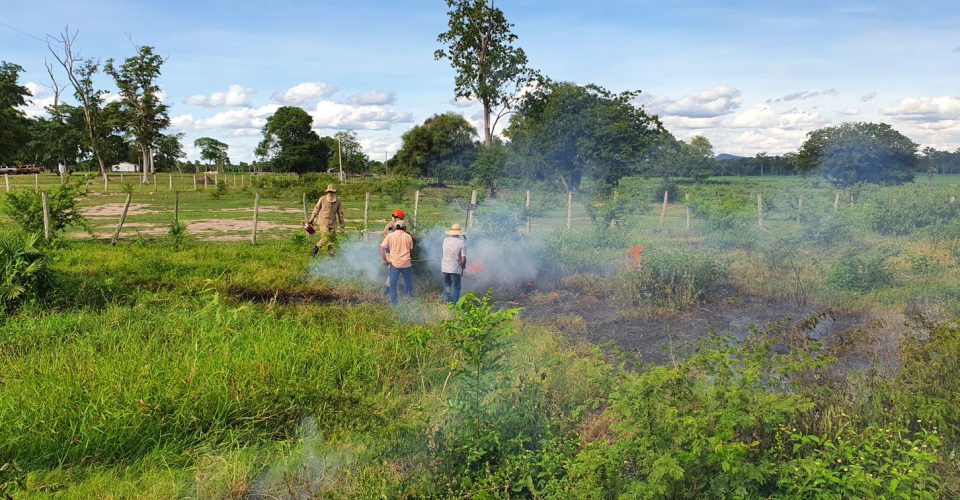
<point>451,287</point>
<point>395,273</point>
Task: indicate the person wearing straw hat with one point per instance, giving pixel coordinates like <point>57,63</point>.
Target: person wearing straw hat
<point>327,215</point>
<point>453,262</point>
<point>395,216</point>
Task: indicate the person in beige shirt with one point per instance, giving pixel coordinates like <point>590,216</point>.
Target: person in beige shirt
<point>396,252</point>
<point>396,215</point>
<point>327,215</point>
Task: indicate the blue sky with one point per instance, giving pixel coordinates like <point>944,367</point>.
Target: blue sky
<point>752,76</point>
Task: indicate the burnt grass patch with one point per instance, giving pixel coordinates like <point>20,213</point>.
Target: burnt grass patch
<point>664,336</point>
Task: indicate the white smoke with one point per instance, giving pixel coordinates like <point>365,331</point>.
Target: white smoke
<point>492,261</point>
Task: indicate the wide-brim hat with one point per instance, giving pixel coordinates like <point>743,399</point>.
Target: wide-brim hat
<point>331,189</point>
<point>455,230</point>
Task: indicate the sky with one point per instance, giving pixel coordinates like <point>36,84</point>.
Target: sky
<point>751,76</point>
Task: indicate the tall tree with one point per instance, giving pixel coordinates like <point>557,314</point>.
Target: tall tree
<point>290,144</point>
<point>169,152</point>
<point>491,165</point>
<point>443,146</point>
<point>856,152</point>
<point>569,131</point>
<point>347,143</point>
<point>213,151</point>
<point>479,45</point>
<point>145,113</point>
<point>13,124</point>
<point>80,73</point>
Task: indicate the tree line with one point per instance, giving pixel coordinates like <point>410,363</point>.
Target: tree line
<point>551,130</point>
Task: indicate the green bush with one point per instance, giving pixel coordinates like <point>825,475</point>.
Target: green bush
<point>23,261</point>
<point>26,207</point>
<point>910,209</point>
<point>670,278</point>
<point>860,271</point>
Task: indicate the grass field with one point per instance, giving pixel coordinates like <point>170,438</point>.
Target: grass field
<point>222,369</point>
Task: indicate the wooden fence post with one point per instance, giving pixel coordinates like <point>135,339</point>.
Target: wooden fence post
<point>366,213</point>
<point>836,201</point>
<point>256,217</point>
<point>105,183</point>
<point>170,180</point>
<point>176,207</point>
<point>123,217</point>
<point>306,218</point>
<point>526,211</point>
<point>155,189</point>
<point>6,180</point>
<point>416,208</point>
<point>121,177</point>
<point>953,199</point>
<point>36,182</point>
<point>194,181</point>
<point>663,209</point>
<point>569,210</point>
<point>473,201</point>
<point>46,216</point>
<point>686,197</point>
<point>759,210</point>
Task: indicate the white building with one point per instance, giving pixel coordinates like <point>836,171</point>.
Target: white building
<point>125,167</point>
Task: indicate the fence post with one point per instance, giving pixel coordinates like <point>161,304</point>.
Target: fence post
<point>686,197</point>
<point>194,182</point>
<point>526,211</point>
<point>953,199</point>
<point>256,216</point>
<point>6,179</point>
<point>416,208</point>
<point>366,213</point>
<point>123,217</point>
<point>306,218</point>
<point>569,210</point>
<point>473,201</point>
<point>121,177</point>
<point>176,206</point>
<point>170,179</point>
<point>759,210</point>
<point>36,182</point>
<point>105,183</point>
<point>155,190</point>
<point>663,209</point>
<point>836,201</point>
<point>46,216</point>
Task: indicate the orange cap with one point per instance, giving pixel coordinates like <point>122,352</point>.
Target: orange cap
<point>399,214</point>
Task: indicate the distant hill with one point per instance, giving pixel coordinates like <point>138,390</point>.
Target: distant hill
<point>725,156</point>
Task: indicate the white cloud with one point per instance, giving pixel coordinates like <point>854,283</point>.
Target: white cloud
<point>800,119</point>
<point>335,115</point>
<point>804,95</point>
<point>869,96</point>
<point>372,97</point>
<point>236,95</point>
<point>686,123</point>
<point>376,147</point>
<point>760,115</point>
<point>717,101</point>
<point>307,91</point>
<point>40,97</point>
<point>849,111</point>
<point>768,140</point>
<point>238,118</point>
<point>181,122</point>
<point>925,109</point>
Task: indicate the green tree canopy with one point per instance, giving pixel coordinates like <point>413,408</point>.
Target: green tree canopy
<point>354,159</point>
<point>13,124</point>
<point>144,115</point>
<point>290,144</point>
<point>570,131</point>
<point>856,152</point>
<point>443,146</point>
<point>213,151</point>
<point>479,45</point>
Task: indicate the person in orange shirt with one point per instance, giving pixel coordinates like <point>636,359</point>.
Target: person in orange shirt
<point>396,251</point>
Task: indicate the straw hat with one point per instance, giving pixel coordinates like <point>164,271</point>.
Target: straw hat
<point>330,189</point>
<point>455,230</point>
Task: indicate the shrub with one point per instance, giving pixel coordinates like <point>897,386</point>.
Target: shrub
<point>907,210</point>
<point>860,271</point>
<point>673,279</point>
<point>499,221</point>
<point>26,207</point>
<point>24,264</point>
<point>178,234</point>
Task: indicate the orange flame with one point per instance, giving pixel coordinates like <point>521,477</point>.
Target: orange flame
<point>475,269</point>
